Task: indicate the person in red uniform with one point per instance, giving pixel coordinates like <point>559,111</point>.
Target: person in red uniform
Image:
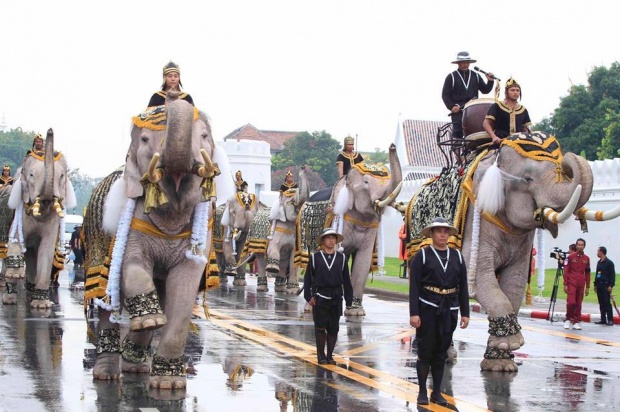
<point>576,280</point>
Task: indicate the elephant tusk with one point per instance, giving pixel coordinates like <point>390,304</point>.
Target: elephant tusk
<point>390,198</point>
<point>400,206</point>
<point>154,174</point>
<point>555,217</point>
<point>598,216</point>
<point>58,208</point>
<point>206,169</point>
<point>36,206</point>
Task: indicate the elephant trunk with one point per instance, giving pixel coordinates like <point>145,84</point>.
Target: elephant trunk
<point>304,188</point>
<point>47,190</point>
<point>177,157</point>
<point>396,174</point>
<point>576,171</point>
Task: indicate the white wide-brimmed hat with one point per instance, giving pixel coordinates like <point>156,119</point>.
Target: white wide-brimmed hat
<point>438,222</point>
<point>463,57</point>
<point>329,231</point>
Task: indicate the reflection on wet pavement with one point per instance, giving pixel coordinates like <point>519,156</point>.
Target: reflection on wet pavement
<point>257,353</point>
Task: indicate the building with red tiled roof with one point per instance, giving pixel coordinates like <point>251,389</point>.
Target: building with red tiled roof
<point>416,142</point>
<point>276,139</point>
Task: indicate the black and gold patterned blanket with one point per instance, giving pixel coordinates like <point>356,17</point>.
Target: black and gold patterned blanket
<point>256,241</point>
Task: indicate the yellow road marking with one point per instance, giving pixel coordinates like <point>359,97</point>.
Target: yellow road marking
<point>572,336</point>
<point>376,379</point>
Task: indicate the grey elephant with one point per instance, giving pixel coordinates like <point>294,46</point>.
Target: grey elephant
<point>39,197</point>
<point>281,246</point>
<point>160,208</point>
<point>237,217</point>
<point>506,195</point>
<point>360,199</point>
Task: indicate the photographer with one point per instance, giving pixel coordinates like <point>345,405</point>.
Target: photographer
<point>576,281</point>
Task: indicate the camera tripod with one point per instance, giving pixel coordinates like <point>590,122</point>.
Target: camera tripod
<point>554,292</point>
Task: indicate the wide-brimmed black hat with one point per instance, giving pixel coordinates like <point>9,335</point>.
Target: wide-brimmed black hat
<point>438,222</point>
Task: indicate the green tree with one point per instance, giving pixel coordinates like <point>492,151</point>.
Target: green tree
<point>317,150</point>
<point>584,121</point>
<point>378,156</point>
<point>83,186</point>
<point>13,147</point>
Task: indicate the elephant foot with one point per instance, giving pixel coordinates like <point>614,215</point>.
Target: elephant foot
<point>41,304</point>
<point>273,268</point>
<point>499,365</point>
<point>223,279</point>
<point>240,282</point>
<point>108,355</point>
<point>509,343</point>
<point>292,290</point>
<point>168,382</point>
<point>452,355</point>
<point>9,299</point>
<point>498,360</point>
<point>168,373</point>
<point>107,366</point>
<point>262,285</point>
<point>280,288</point>
<point>147,322</point>
<point>134,357</point>
<point>355,311</point>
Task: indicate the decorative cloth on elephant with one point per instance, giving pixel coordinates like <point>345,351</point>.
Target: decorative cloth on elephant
<point>245,199</point>
<point>98,244</point>
<point>154,118</point>
<point>538,146</point>
<point>218,232</point>
<point>41,155</point>
<point>377,170</point>
<point>6,217</point>
<point>256,240</point>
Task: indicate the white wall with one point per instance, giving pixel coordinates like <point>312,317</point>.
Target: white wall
<point>253,158</point>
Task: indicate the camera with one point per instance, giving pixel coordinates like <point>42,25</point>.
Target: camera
<point>558,254</point>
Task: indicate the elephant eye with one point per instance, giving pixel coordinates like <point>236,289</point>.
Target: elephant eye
<point>144,138</point>
<point>205,135</point>
<point>528,179</point>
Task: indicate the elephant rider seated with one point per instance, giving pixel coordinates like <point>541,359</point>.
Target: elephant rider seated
<point>508,116</point>
<point>172,81</point>
<point>347,157</point>
<point>289,184</point>
<point>6,179</point>
<point>38,147</point>
<point>240,184</point>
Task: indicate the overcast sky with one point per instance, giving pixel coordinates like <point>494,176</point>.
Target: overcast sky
<point>347,67</point>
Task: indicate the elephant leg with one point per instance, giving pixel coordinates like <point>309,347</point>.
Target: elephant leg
<point>240,277</point>
<point>505,336</point>
<point>135,349</point>
<point>280,284</point>
<point>15,266</point>
<point>41,299</point>
<point>262,285</point>
<point>142,301</point>
<point>292,275</point>
<point>359,274</point>
<point>10,297</point>
<point>168,366</point>
<point>108,349</point>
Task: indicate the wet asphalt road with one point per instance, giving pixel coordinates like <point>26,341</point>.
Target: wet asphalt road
<point>256,353</point>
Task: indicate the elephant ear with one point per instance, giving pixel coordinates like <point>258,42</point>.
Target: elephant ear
<point>226,215</point>
<point>70,198</point>
<point>132,172</point>
<point>24,191</point>
<point>15,198</point>
<point>113,206</point>
<point>344,201</point>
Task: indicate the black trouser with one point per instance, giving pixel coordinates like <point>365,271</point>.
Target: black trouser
<point>604,303</point>
<point>457,125</point>
<point>433,345</point>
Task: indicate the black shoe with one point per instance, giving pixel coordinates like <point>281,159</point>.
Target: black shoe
<point>422,399</point>
<point>438,399</point>
<point>601,322</point>
<point>323,361</point>
<point>331,361</point>
<point>610,324</point>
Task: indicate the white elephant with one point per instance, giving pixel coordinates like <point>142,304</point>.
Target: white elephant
<point>40,197</point>
<point>361,197</point>
<point>280,250</point>
<point>160,209</point>
<point>506,195</point>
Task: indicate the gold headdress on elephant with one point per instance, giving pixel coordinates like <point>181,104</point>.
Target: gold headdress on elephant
<point>171,67</point>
